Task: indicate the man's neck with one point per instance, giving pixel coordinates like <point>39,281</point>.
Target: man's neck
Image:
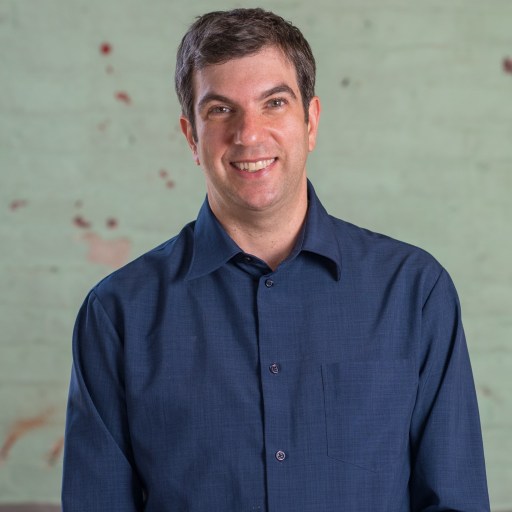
<point>270,237</point>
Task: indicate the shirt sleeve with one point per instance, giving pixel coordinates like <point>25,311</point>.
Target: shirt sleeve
<point>99,471</point>
<point>448,469</point>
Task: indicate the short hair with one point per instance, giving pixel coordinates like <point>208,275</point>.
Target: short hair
<point>220,36</point>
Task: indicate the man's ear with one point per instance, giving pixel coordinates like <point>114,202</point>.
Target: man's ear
<point>314,119</point>
<point>186,128</point>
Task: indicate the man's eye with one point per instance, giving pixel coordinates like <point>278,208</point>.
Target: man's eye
<point>219,109</point>
<point>277,102</point>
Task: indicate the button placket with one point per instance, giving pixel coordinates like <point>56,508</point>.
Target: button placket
<point>274,383</point>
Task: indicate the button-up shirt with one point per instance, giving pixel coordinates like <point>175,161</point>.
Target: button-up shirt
<point>203,381</point>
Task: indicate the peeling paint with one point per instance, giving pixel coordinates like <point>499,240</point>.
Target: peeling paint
<point>53,456</point>
<point>21,428</point>
<point>113,253</point>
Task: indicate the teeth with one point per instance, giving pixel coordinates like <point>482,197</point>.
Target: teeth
<point>253,166</point>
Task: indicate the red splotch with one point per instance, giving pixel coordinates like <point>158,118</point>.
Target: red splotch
<point>52,457</point>
<point>507,65</point>
<point>21,428</point>
<point>165,175</point>
<point>113,253</point>
<point>17,204</point>
<point>123,97</point>
<point>106,48</point>
<point>111,223</point>
<point>81,222</point>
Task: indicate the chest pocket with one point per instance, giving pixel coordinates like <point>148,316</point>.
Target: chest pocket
<point>368,408</point>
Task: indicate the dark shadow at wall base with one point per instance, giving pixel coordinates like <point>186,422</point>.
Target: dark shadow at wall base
<point>29,507</point>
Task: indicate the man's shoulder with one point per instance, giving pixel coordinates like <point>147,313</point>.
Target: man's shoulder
<point>382,254</point>
<point>163,264</point>
<point>365,239</point>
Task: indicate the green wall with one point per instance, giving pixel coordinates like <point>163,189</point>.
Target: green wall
<point>415,141</point>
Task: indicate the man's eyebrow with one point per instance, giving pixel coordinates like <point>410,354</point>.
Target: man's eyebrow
<point>278,89</point>
<point>212,96</point>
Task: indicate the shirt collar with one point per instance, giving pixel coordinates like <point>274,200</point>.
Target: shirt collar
<point>213,247</point>
<point>319,236</point>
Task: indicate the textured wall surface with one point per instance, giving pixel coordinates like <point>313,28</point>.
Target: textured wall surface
<point>415,142</point>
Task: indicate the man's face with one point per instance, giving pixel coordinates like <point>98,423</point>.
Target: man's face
<point>252,138</point>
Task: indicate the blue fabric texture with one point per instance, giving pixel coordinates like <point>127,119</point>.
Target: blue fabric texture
<point>203,381</point>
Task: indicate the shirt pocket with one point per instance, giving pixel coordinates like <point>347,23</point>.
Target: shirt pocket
<point>368,407</point>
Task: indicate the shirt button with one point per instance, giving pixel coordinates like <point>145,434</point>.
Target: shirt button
<point>269,283</point>
<point>248,259</point>
<point>274,368</point>
<point>280,455</point>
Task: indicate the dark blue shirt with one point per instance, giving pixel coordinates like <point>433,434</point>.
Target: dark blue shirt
<point>203,381</point>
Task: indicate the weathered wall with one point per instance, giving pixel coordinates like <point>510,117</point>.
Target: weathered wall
<point>415,141</point>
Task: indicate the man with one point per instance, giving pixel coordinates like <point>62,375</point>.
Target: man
<point>269,357</point>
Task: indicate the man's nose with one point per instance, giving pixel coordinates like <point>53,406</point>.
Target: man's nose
<point>249,129</point>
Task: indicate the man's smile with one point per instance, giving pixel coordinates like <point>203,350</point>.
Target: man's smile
<point>253,166</point>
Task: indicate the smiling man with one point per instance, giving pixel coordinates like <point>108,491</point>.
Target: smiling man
<point>269,357</point>
<point>250,136</point>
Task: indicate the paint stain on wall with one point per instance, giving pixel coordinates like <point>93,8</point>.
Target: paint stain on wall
<point>507,65</point>
<point>123,97</point>
<point>112,253</point>
<point>165,177</point>
<point>486,391</point>
<point>111,223</point>
<point>53,456</point>
<point>20,428</point>
<point>105,48</point>
<point>17,204</point>
<point>80,222</point>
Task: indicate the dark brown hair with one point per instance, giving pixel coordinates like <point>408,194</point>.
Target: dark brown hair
<point>220,36</point>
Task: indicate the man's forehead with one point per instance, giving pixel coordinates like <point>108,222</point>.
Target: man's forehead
<point>263,75</point>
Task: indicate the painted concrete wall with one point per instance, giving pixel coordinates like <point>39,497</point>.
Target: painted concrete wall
<point>415,142</point>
